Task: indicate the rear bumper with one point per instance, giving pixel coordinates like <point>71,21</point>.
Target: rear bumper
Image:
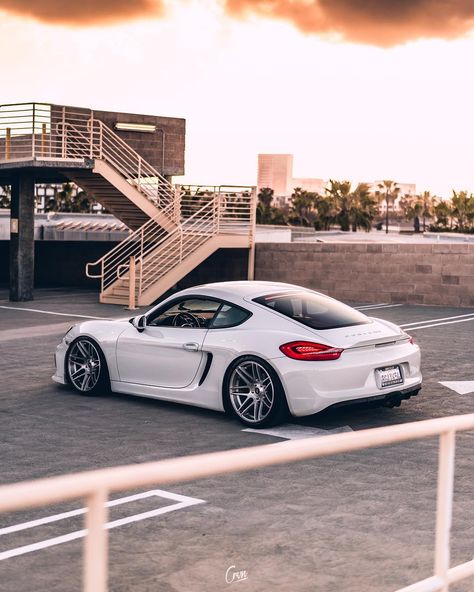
<point>399,395</point>
<point>311,387</point>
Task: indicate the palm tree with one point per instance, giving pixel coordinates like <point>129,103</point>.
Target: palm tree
<point>364,207</point>
<point>462,209</point>
<point>5,196</point>
<point>326,212</point>
<point>303,207</point>
<point>387,190</point>
<point>67,200</point>
<point>427,202</point>
<point>443,212</point>
<point>339,193</point>
<point>264,205</point>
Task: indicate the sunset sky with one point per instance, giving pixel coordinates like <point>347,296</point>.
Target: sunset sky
<point>353,94</point>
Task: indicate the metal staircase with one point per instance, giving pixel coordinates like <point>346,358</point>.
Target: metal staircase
<point>164,255</point>
<point>172,230</point>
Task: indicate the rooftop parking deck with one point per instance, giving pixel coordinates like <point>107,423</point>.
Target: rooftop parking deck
<point>360,521</point>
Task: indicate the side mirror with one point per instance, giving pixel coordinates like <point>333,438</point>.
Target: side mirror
<point>139,323</point>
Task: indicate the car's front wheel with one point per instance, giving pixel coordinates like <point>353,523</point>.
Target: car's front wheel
<point>253,392</point>
<point>86,367</point>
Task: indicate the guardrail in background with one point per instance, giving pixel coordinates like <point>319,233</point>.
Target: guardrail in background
<point>95,487</point>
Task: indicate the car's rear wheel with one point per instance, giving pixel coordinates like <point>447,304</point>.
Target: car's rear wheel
<point>86,367</point>
<point>254,393</point>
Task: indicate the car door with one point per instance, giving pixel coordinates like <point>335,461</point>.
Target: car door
<point>168,352</point>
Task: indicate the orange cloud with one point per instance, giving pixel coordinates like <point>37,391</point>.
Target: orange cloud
<point>376,22</point>
<point>84,12</point>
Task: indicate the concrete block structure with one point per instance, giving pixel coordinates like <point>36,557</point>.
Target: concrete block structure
<point>436,274</point>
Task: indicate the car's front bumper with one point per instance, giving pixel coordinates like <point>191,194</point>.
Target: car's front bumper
<point>59,359</point>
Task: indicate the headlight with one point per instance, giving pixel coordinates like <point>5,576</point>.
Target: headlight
<point>67,340</point>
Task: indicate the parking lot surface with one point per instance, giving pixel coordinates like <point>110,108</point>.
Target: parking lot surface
<point>362,521</point>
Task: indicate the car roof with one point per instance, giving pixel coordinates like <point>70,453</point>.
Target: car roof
<point>239,290</point>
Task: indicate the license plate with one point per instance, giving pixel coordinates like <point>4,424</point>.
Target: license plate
<point>389,376</point>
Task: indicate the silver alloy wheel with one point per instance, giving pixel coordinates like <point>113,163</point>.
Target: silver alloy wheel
<point>251,391</point>
<point>84,365</point>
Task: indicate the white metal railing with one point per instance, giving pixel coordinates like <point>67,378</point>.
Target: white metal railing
<point>159,246</point>
<point>58,133</point>
<point>95,487</point>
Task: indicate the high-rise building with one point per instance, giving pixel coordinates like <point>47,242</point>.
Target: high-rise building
<point>275,171</point>
<point>309,184</point>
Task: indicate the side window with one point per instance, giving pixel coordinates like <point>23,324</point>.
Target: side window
<point>186,313</point>
<point>229,316</point>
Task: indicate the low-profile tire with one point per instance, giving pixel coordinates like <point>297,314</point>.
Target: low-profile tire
<point>86,368</point>
<point>253,392</point>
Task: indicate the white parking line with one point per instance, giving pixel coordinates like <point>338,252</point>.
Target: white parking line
<point>61,314</point>
<point>462,387</point>
<point>297,432</point>
<point>181,501</point>
<point>375,306</point>
<point>411,329</point>
<point>471,314</point>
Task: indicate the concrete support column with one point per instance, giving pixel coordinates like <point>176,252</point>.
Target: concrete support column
<point>22,237</point>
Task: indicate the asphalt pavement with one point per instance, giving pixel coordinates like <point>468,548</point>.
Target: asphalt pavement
<point>358,522</point>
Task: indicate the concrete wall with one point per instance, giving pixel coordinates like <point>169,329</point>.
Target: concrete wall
<point>440,274</point>
<point>164,148</point>
<point>62,263</point>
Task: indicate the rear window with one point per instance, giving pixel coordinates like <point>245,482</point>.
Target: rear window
<point>313,310</point>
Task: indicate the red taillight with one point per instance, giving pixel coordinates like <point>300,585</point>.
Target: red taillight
<point>307,350</point>
<point>411,340</point>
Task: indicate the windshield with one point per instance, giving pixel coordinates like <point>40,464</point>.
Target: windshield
<point>313,310</point>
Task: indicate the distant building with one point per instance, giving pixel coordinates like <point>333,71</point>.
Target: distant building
<point>308,184</point>
<point>275,171</point>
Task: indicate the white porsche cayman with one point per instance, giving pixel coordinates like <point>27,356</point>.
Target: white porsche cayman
<point>257,349</point>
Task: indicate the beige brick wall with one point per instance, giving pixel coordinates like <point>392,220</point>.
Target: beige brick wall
<point>440,274</point>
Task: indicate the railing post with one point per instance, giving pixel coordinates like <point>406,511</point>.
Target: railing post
<point>63,134</point>
<point>444,505</point>
<point>177,203</point>
<point>43,139</point>
<point>142,261</point>
<point>8,143</point>
<point>95,543</point>
<point>101,142</point>
<point>102,279</point>
<point>218,211</point>
<point>33,132</point>
<point>252,222</point>
<point>139,171</point>
<point>91,136</point>
<point>131,284</point>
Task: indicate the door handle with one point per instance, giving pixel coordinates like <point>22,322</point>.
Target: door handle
<point>191,346</point>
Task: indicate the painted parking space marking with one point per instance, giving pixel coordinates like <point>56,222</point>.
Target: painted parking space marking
<point>471,314</point>
<point>411,329</point>
<point>462,387</point>
<point>61,314</point>
<point>180,502</point>
<point>298,432</point>
<point>375,306</point>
